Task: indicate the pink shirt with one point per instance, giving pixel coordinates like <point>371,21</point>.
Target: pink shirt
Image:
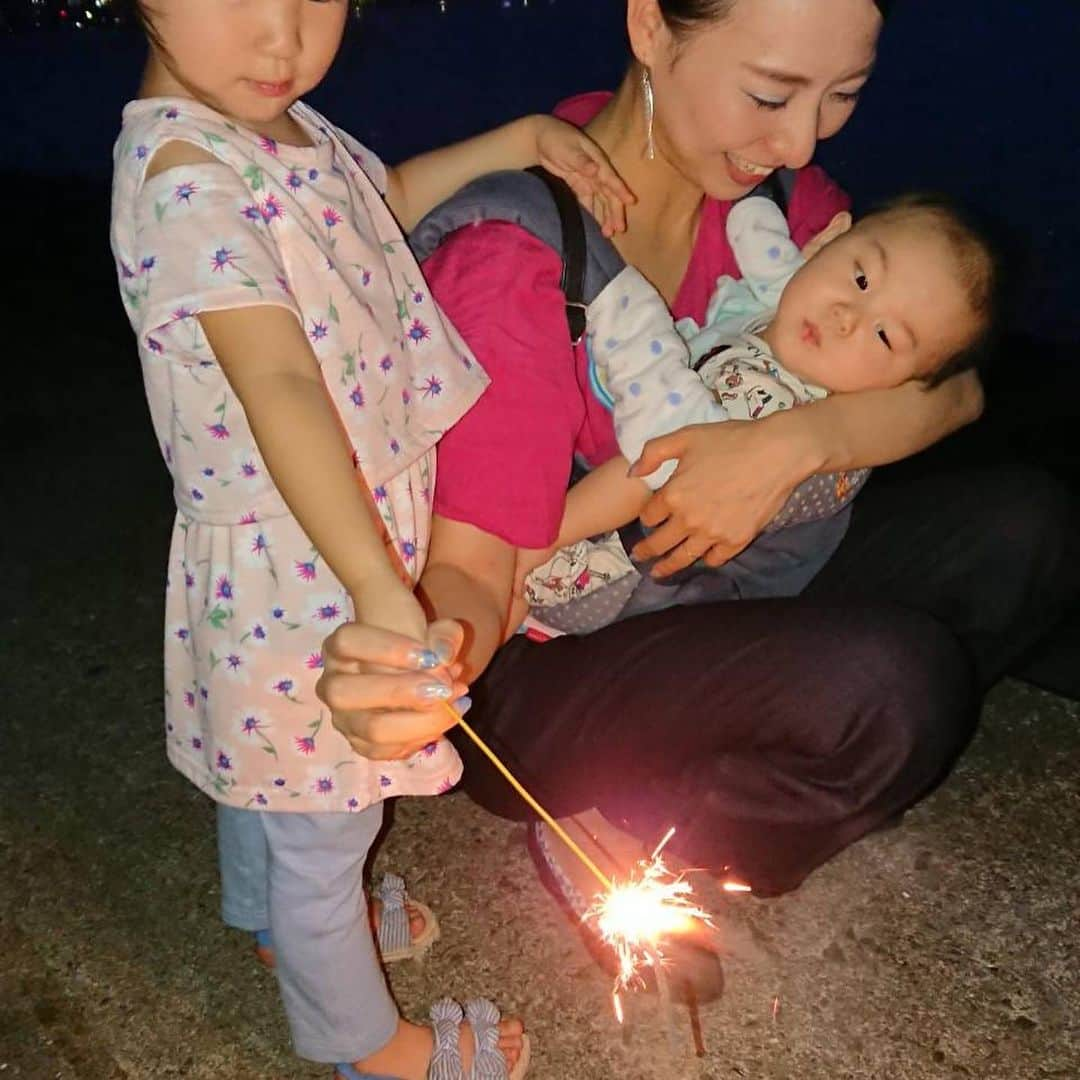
<point>505,465</point>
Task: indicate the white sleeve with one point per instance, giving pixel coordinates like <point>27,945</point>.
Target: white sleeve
<point>767,256</point>
<point>637,355</point>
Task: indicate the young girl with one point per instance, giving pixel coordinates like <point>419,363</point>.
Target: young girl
<point>299,377</point>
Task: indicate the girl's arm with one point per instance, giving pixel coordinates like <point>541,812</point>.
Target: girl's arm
<point>733,478</point>
<point>274,372</point>
<point>421,183</point>
<point>604,500</point>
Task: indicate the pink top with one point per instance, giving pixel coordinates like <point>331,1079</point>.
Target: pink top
<point>505,465</point>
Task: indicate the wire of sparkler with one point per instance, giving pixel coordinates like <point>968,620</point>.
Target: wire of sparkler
<point>559,831</point>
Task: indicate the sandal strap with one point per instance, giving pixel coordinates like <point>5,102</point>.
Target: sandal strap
<point>394,933</point>
<point>446,1017</point>
<point>488,1062</point>
<point>570,892</point>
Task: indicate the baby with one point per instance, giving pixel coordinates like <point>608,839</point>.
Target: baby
<point>906,294</point>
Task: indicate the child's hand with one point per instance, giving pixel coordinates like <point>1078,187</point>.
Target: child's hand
<point>570,154</point>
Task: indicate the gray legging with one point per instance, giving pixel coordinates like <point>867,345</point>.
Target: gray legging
<point>301,875</point>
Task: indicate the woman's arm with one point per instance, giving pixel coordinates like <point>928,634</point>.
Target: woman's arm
<point>733,478</point>
<point>421,183</point>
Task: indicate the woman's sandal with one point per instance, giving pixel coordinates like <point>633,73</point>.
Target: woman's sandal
<point>446,1019</point>
<point>394,938</point>
<point>694,972</point>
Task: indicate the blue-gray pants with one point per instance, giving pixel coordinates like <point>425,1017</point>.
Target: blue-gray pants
<point>301,876</point>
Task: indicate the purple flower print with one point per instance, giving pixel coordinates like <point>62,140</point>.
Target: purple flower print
<point>250,517</point>
<point>223,590</point>
<point>385,364</point>
<point>279,781</point>
<point>408,550</point>
<point>406,397</point>
<point>197,495</point>
<point>204,693</point>
<point>395,446</point>
<point>417,297</point>
<point>218,431</point>
<point>251,725</point>
<point>318,330</point>
<point>328,612</point>
<point>141,152</point>
<point>313,175</point>
<point>189,699</point>
<point>272,208</point>
<point>208,472</point>
<point>444,787</point>
<point>196,743</point>
<point>259,545</point>
<point>125,271</point>
<point>432,387</point>
<point>305,744</point>
<point>305,571</point>
<point>234,662</point>
<point>293,181</point>
<point>258,632</point>
<point>428,749</point>
<point>330,217</point>
<point>252,212</point>
<point>189,579</point>
<point>314,662</point>
<point>418,332</point>
<point>268,144</point>
<point>154,345</point>
<point>183,633</point>
<point>184,191</point>
<point>282,284</point>
<point>379,494</point>
<point>323,786</point>
<point>353,803</point>
<point>278,612</point>
<point>285,687</point>
<point>220,259</point>
<point>356,396</point>
<point>365,277</point>
<point>260,799</point>
<point>181,313</point>
<point>224,762</point>
<point>385,781</point>
<point>147,264</point>
<point>172,112</point>
<point>248,470</point>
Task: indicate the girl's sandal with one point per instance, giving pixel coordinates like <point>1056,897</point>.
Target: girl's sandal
<point>694,971</point>
<point>488,1061</point>
<point>394,937</point>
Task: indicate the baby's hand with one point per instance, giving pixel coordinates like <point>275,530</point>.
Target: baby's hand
<point>570,154</point>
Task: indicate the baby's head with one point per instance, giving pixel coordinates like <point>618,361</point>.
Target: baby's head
<point>249,61</point>
<point>909,293</point>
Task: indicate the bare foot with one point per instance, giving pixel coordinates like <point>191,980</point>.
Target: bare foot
<point>408,1054</point>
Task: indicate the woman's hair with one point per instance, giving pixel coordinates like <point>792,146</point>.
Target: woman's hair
<point>685,16</point>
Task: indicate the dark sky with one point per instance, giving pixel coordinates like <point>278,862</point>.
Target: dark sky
<point>978,98</point>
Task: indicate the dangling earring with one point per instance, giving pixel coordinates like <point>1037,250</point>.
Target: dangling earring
<point>650,109</point>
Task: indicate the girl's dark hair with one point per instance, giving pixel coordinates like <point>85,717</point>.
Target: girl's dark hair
<point>685,16</point>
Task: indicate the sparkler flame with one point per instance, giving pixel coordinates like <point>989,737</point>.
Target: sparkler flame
<point>633,917</point>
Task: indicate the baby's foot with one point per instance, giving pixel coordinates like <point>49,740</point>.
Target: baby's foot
<point>408,1054</point>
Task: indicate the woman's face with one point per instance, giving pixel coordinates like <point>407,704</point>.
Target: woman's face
<point>740,97</point>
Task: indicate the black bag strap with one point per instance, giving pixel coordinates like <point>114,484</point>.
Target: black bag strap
<point>573,249</point>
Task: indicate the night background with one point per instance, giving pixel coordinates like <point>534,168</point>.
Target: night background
<point>107,856</point>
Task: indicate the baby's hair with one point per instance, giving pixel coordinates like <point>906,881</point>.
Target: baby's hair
<point>979,265</point>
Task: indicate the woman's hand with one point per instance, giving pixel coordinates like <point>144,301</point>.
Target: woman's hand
<point>731,480</point>
<point>569,153</point>
<point>386,690</point>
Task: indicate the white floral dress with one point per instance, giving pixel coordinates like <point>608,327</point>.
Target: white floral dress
<point>248,599</point>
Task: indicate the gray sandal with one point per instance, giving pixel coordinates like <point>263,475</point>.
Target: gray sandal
<point>446,1020</point>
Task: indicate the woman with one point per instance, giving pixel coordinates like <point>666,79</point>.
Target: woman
<point>772,733</point>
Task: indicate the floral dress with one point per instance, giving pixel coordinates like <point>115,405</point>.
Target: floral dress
<point>248,599</point>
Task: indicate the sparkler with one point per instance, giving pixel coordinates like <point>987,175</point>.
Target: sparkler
<point>633,916</point>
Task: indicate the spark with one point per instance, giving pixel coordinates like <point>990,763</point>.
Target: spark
<point>736,887</point>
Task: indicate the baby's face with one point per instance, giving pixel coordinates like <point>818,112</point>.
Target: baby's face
<point>881,304</point>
